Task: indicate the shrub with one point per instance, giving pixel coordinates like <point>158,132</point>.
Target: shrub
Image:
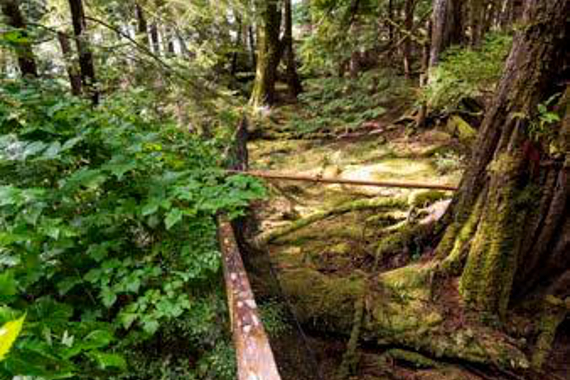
<point>107,233</point>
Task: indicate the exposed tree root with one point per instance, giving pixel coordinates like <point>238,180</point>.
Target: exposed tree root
<point>351,358</point>
<point>555,310</point>
<point>358,205</point>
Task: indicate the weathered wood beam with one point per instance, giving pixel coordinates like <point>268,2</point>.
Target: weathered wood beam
<point>353,182</point>
<point>255,360</point>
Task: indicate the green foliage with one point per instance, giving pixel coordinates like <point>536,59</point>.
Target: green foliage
<point>107,231</point>
<point>274,318</point>
<point>345,104</point>
<point>542,126</point>
<point>466,73</point>
<point>8,334</point>
<point>332,41</point>
<point>447,162</point>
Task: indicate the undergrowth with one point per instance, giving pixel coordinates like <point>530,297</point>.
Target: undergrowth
<point>335,104</point>
<point>464,73</point>
<point>108,238</point>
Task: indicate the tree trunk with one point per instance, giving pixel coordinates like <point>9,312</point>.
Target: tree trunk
<point>238,44</point>
<point>409,7</point>
<point>142,25</point>
<point>268,53</point>
<point>14,18</point>
<point>86,64</point>
<point>293,81</point>
<point>476,21</point>
<point>74,76</point>
<point>251,42</point>
<point>509,218</point>
<point>390,25</point>
<point>447,27</point>
<point>154,38</point>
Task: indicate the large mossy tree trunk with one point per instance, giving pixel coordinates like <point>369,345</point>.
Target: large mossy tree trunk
<point>268,53</point>
<point>508,228</point>
<point>14,18</point>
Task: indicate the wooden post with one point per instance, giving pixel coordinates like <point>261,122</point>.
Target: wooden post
<point>255,360</point>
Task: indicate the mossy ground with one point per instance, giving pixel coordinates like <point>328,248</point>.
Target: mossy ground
<point>372,255</point>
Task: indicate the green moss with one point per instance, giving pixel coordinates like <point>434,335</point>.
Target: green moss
<point>423,198</point>
<point>452,264</point>
<point>395,312</point>
<point>403,237</point>
<point>555,311</point>
<point>459,127</point>
<point>316,294</point>
<point>411,358</point>
<point>351,206</point>
<point>504,163</point>
<point>492,260</point>
<point>351,358</point>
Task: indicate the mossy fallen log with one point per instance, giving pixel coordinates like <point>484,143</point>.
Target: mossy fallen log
<point>397,311</point>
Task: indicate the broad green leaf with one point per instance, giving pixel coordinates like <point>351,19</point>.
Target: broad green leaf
<point>108,296</point>
<point>173,217</point>
<point>108,360</point>
<point>7,284</point>
<point>8,334</point>
<point>96,339</point>
<point>127,319</point>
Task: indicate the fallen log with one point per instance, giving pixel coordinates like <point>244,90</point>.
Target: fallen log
<point>344,181</point>
<point>255,359</point>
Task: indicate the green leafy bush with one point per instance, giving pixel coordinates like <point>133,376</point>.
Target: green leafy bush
<point>107,233</point>
<point>466,73</point>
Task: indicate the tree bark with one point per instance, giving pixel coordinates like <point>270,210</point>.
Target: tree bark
<point>14,18</point>
<point>268,53</point>
<point>74,76</point>
<point>86,65</point>
<point>409,7</point>
<point>293,81</point>
<point>390,25</point>
<point>142,25</point>
<point>447,27</point>
<point>238,44</point>
<point>251,42</point>
<point>154,38</point>
<point>517,236</point>
<point>476,21</point>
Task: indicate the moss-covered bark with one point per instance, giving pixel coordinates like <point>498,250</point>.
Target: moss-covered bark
<point>507,178</point>
<point>268,53</point>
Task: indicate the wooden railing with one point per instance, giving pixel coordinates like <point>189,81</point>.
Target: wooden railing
<point>255,360</point>
<point>344,181</point>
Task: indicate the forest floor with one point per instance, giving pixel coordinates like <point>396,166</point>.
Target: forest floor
<point>341,231</point>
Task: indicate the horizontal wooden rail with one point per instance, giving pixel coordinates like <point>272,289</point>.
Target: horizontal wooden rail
<point>353,182</point>
<point>255,360</point>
